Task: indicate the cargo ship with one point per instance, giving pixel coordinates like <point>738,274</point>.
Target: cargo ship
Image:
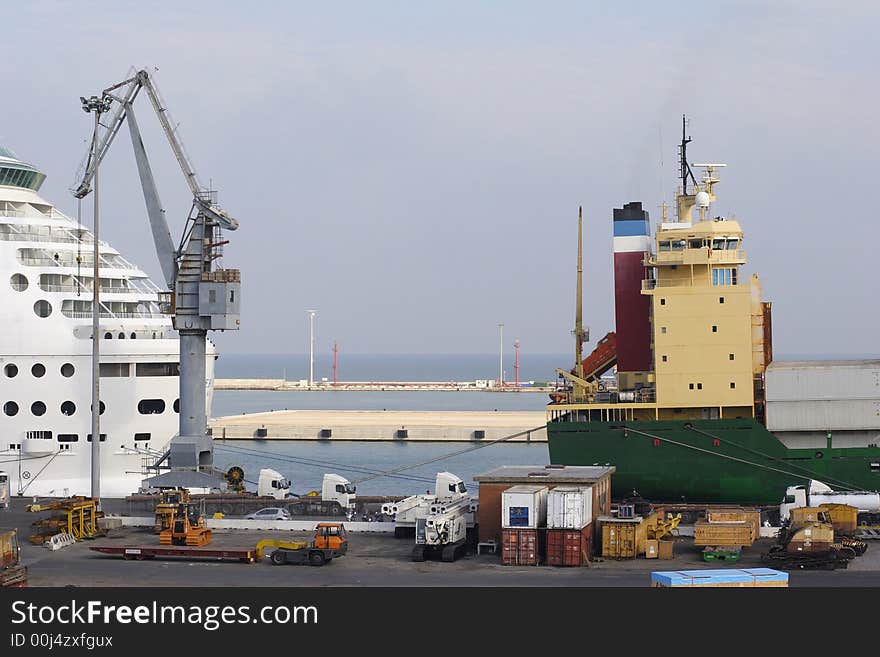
<point>697,410</point>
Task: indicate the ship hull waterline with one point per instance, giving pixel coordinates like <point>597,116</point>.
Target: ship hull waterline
<point>739,462</point>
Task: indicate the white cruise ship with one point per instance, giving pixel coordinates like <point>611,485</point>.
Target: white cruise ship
<point>45,352</point>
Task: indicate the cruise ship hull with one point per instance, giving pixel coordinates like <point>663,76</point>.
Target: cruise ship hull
<point>738,462</point>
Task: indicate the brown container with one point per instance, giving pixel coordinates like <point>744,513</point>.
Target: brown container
<point>844,518</point>
<point>569,547</point>
<point>520,547</point>
<point>652,548</point>
<point>664,550</point>
<point>622,539</point>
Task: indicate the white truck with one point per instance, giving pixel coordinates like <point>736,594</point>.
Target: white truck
<point>450,493</point>
<point>4,490</point>
<point>817,493</point>
<point>338,494</point>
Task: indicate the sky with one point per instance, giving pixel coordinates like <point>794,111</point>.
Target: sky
<point>413,170</point>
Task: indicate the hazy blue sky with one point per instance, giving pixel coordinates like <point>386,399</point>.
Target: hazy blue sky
<point>412,170</point>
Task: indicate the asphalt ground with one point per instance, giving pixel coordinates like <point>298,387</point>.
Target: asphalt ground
<point>372,560</point>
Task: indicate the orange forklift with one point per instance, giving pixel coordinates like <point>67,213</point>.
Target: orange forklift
<point>329,542</point>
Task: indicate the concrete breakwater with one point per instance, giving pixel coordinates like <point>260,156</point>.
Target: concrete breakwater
<point>460,426</point>
<point>329,386</point>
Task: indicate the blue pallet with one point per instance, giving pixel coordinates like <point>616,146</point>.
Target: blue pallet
<point>720,576</point>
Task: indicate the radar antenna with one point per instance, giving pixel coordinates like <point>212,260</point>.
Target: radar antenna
<point>682,151</point>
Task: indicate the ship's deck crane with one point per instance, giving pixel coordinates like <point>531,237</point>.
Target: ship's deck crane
<point>201,296</point>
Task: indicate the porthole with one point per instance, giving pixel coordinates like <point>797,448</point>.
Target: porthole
<point>176,406</point>
<point>67,370</point>
<point>19,282</point>
<point>100,406</point>
<point>10,370</point>
<point>133,335</point>
<point>121,336</point>
<point>68,408</point>
<point>38,370</point>
<point>42,308</point>
<point>38,408</point>
<point>819,455</point>
<point>108,335</point>
<point>151,406</point>
<point>10,408</point>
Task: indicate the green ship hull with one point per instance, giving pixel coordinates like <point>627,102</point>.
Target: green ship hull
<point>733,461</point>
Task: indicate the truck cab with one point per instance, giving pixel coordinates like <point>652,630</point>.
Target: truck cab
<point>273,484</point>
<point>795,498</point>
<point>4,490</point>
<point>336,488</point>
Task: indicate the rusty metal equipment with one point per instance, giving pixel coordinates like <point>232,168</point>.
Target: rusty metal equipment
<point>75,515</point>
<point>12,572</point>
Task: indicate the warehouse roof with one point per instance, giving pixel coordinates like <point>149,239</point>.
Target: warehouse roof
<point>552,474</point>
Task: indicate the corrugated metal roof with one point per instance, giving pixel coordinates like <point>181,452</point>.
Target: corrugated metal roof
<point>563,474</point>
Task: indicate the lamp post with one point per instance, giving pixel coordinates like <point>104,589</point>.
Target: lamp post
<point>501,357</point>
<point>97,106</point>
<point>311,347</point>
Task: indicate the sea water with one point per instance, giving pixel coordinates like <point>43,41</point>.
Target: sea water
<point>305,462</point>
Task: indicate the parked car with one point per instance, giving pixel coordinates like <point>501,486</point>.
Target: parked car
<point>269,513</point>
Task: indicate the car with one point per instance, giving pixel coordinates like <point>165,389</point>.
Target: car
<point>269,513</point>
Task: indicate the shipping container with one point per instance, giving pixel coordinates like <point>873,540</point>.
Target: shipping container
<point>729,577</point>
<point>853,415</point>
<point>843,517</point>
<point>823,395</point>
<point>569,547</point>
<point>652,548</point>
<point>664,551</point>
<point>796,381</point>
<point>520,547</point>
<point>569,507</point>
<point>524,506</point>
<point>622,538</point>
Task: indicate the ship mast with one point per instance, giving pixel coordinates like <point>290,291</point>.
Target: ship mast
<point>580,335</point>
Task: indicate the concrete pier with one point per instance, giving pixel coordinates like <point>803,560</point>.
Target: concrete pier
<point>460,426</point>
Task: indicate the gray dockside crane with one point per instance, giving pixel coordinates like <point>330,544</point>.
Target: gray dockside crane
<point>201,297</point>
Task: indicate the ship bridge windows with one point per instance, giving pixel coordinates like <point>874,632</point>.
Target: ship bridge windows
<point>678,245</point>
<point>724,276</point>
<point>664,246</point>
<point>696,244</point>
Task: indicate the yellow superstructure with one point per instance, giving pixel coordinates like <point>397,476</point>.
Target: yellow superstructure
<point>710,330</point>
<point>702,317</point>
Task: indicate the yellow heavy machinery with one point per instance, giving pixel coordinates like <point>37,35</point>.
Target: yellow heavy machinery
<point>166,509</point>
<point>330,541</point>
<point>809,540</point>
<point>77,516</point>
<point>187,527</point>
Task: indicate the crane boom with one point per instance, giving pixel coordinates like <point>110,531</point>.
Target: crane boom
<point>203,297</point>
